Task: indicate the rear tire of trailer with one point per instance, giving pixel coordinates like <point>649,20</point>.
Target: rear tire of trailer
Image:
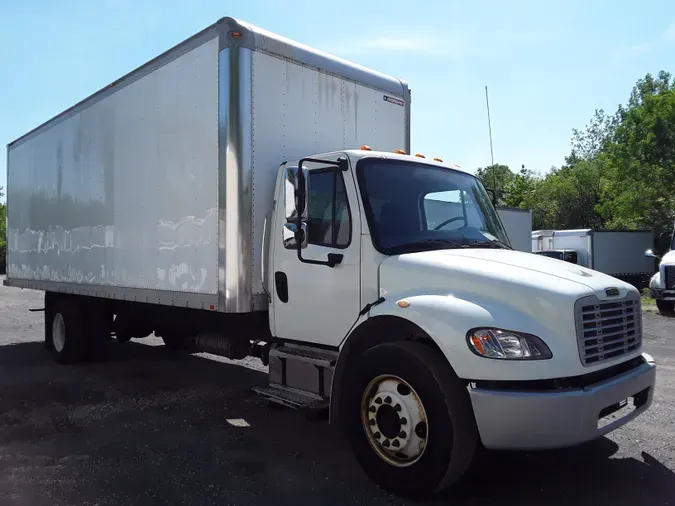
<point>436,442</point>
<point>65,329</point>
<point>665,306</point>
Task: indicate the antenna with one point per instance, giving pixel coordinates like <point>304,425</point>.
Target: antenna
<point>492,156</point>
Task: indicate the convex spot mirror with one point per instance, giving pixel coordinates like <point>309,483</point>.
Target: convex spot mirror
<point>295,197</point>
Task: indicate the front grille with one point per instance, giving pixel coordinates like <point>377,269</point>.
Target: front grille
<point>607,329</point>
<point>669,278</point>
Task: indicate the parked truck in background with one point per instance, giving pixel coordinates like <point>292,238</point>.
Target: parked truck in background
<point>662,283</point>
<point>219,197</point>
<point>618,253</point>
<point>517,225</point>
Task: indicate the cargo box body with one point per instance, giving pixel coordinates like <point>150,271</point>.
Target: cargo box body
<point>518,225</point>
<point>155,189</point>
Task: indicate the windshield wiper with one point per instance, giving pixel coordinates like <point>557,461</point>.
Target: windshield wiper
<point>496,243</point>
<point>426,244</point>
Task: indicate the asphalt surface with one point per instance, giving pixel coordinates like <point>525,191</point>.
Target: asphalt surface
<point>149,426</point>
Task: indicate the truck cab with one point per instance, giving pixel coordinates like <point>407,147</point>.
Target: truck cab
<point>662,283</point>
<point>393,276</point>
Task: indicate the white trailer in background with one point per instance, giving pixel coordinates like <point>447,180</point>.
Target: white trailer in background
<point>619,253</point>
<point>218,197</point>
<point>518,225</point>
<point>662,283</point>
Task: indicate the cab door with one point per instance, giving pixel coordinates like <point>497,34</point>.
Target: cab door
<point>313,302</point>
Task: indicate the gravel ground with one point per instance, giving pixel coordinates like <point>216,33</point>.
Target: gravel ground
<point>151,427</point>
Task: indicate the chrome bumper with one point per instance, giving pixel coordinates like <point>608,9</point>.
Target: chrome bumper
<point>519,420</point>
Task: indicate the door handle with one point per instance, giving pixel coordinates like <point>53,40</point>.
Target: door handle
<point>281,285</point>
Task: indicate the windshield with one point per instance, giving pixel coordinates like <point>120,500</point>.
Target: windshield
<point>414,207</point>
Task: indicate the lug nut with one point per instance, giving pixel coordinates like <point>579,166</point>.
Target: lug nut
<point>403,421</point>
<point>372,409</point>
<point>377,435</point>
<point>396,443</point>
<point>371,421</point>
<point>387,399</point>
<point>378,401</point>
<point>386,443</point>
<point>397,407</point>
<point>402,434</point>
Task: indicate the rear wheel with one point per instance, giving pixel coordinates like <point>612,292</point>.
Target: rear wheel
<point>409,419</point>
<point>665,306</point>
<point>64,329</point>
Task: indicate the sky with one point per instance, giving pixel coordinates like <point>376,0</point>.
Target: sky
<point>548,65</point>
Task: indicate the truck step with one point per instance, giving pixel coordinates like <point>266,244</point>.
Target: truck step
<point>291,398</point>
<point>320,358</point>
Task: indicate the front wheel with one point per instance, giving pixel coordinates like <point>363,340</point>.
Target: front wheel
<point>665,306</point>
<point>409,419</point>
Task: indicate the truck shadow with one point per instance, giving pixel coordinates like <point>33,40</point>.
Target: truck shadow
<point>150,426</point>
<point>579,476</point>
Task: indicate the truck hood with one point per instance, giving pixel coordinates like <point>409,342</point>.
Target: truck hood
<point>477,266</point>
<point>668,258</point>
<point>449,292</point>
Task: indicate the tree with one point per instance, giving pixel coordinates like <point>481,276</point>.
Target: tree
<point>592,140</point>
<point>521,188</point>
<point>640,192</point>
<point>496,177</point>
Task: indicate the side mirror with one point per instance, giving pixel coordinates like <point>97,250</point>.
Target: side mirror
<point>292,237</point>
<point>650,254</point>
<point>295,194</point>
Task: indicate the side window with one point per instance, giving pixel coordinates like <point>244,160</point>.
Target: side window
<point>328,221</point>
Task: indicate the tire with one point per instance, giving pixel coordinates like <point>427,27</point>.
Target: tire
<point>665,306</point>
<point>65,324</point>
<point>450,437</point>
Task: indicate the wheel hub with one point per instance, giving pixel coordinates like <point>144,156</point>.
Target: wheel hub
<point>58,333</point>
<point>394,420</point>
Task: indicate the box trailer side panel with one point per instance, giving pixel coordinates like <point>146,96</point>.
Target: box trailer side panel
<point>622,253</point>
<point>299,110</point>
<point>121,192</point>
<point>518,225</point>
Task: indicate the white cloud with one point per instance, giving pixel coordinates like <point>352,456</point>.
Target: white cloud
<point>666,38</point>
<point>669,34</point>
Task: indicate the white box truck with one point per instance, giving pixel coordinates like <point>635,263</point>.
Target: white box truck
<point>619,253</point>
<point>662,283</point>
<point>218,197</point>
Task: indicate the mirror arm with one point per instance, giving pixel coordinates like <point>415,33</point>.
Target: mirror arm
<point>333,258</point>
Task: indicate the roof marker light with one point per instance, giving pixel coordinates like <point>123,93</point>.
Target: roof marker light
<point>420,155</point>
<point>366,148</point>
<point>438,160</point>
<point>400,152</point>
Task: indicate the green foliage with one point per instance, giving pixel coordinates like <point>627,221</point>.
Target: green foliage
<point>496,177</point>
<point>620,172</point>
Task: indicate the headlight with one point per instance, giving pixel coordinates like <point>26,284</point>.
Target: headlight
<point>506,345</point>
